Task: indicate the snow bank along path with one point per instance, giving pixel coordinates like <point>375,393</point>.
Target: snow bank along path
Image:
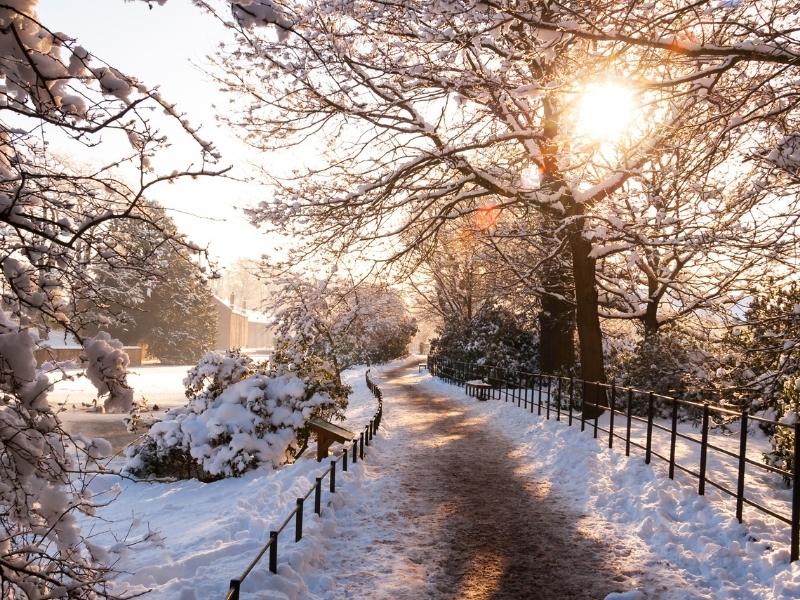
<point>691,546</point>
<point>446,509</point>
<point>762,491</point>
<point>354,449</point>
<point>209,532</point>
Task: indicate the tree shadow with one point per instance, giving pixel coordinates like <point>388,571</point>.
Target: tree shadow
<point>509,536</point>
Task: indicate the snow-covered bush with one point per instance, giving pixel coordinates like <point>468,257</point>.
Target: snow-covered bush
<point>495,336</point>
<point>782,438</point>
<point>671,363</point>
<point>768,341</point>
<point>240,415</point>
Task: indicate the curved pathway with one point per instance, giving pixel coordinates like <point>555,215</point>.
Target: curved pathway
<point>458,518</point>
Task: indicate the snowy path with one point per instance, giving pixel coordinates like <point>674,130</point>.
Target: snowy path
<point>442,511</point>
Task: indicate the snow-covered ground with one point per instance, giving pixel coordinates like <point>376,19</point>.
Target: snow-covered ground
<point>210,531</point>
<point>693,544</point>
<point>710,553</point>
<point>687,546</point>
<point>761,486</point>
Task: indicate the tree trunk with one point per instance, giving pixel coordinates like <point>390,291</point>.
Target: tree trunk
<point>557,322</point>
<point>650,319</point>
<point>587,318</point>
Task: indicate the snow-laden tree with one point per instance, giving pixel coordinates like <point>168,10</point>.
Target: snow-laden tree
<point>494,336</point>
<point>337,322</point>
<point>452,278</point>
<point>437,110</point>
<point>241,415</point>
<point>53,234</point>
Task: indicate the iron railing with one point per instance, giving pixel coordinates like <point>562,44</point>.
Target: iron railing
<point>572,394</point>
<point>357,450</point>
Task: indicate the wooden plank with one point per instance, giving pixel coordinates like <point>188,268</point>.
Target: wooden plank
<point>340,434</point>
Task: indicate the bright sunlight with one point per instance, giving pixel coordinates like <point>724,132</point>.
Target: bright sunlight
<point>605,111</point>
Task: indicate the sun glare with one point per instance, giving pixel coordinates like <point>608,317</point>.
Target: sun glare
<point>605,111</point>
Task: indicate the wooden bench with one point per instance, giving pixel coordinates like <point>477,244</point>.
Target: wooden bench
<point>477,388</point>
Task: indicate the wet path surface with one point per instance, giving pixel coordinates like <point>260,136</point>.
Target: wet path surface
<point>461,521</point>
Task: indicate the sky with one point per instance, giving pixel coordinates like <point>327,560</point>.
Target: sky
<point>163,46</point>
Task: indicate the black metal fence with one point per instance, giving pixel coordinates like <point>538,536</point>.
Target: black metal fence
<point>356,450</point>
<point>566,397</point>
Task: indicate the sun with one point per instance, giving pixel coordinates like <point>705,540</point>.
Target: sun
<point>605,111</point>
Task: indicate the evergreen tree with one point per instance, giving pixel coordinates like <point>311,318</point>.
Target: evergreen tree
<point>771,362</point>
<point>171,309</point>
<point>494,336</point>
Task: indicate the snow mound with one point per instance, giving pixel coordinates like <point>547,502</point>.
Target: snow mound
<point>240,415</point>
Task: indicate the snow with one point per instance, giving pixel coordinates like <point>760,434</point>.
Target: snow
<point>211,531</point>
<point>160,385</point>
<point>698,537</point>
<point>107,364</point>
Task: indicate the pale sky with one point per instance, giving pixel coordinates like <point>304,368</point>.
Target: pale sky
<point>158,47</point>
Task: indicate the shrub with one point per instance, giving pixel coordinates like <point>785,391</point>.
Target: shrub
<point>495,336</point>
<point>240,415</point>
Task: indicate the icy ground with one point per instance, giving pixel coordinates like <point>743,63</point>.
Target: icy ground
<point>393,530</point>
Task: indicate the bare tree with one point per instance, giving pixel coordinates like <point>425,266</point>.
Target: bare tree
<point>440,108</point>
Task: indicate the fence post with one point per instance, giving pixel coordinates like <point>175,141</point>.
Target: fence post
<point>533,391</point>
<point>548,397</point>
<point>611,416</point>
<point>366,435</point>
<point>558,400</point>
<point>298,521</point>
<point>525,391</point>
<point>344,460</point>
<point>673,438</point>
<point>571,390</point>
<point>795,551</point>
<point>318,496</point>
<point>333,477</point>
<point>355,451</point>
<point>649,442</point>
<point>233,591</point>
<point>701,486</point>
<point>628,417</point>
<point>742,463</point>
<point>361,446</point>
<point>583,407</point>
<point>273,551</point>
<point>513,389</point>
<point>596,405</point>
<point>539,405</point>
